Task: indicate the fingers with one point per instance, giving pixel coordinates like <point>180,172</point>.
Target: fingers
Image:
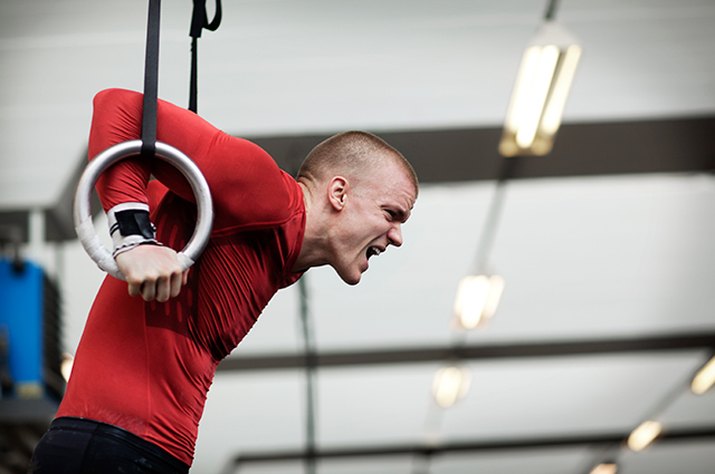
<point>134,288</point>
<point>175,283</point>
<point>148,290</point>
<point>162,288</point>
<point>154,273</point>
<point>159,289</point>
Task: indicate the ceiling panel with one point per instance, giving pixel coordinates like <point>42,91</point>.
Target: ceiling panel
<point>250,413</point>
<point>393,465</point>
<point>569,396</point>
<point>553,461</point>
<point>319,66</point>
<point>689,409</point>
<point>690,458</point>
<point>379,406</point>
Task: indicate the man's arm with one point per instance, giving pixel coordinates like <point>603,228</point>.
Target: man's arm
<point>152,271</point>
<point>117,118</point>
<point>247,187</point>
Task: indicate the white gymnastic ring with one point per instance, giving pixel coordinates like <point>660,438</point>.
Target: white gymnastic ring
<point>83,216</point>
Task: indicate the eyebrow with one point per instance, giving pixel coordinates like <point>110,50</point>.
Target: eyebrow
<point>401,214</point>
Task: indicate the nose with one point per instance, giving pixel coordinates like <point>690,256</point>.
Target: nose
<point>394,235</point>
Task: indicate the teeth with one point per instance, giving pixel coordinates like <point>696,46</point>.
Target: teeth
<point>373,251</point>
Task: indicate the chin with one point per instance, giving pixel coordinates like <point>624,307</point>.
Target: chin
<point>350,274</point>
<point>351,279</point>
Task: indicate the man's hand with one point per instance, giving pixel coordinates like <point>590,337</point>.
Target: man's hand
<point>152,271</point>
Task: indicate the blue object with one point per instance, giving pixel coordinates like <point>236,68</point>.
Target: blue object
<point>21,322</point>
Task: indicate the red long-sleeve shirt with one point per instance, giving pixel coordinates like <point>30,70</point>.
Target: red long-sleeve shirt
<point>147,367</point>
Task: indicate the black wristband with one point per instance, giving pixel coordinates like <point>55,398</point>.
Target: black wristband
<point>133,222</point>
<point>130,226</point>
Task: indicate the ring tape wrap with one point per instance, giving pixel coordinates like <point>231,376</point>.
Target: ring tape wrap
<point>83,215</point>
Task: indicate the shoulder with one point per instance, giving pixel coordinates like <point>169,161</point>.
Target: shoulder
<point>115,96</point>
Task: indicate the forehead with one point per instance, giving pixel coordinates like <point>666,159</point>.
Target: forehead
<point>395,185</point>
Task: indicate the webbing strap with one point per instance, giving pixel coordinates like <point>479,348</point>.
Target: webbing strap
<point>151,80</point>
<point>199,22</point>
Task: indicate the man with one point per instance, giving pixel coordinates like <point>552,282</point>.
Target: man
<point>151,346</point>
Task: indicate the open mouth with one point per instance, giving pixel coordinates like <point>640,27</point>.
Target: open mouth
<point>373,251</point>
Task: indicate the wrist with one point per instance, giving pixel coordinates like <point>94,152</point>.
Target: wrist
<point>130,226</point>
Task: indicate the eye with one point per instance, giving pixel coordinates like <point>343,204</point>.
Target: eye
<point>391,215</point>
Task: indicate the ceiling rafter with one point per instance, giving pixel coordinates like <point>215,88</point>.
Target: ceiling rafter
<point>413,355</point>
<point>550,441</point>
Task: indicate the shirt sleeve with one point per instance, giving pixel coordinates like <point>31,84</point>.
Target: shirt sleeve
<point>247,187</point>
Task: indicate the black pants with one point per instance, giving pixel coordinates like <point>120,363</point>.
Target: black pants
<point>79,446</point>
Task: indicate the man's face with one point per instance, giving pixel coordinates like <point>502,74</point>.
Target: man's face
<point>371,220</point>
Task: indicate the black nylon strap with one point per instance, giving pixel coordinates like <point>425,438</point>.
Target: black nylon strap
<point>193,84</point>
<point>151,80</point>
<point>134,222</point>
<point>199,22</point>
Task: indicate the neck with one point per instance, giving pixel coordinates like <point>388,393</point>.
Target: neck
<point>314,237</point>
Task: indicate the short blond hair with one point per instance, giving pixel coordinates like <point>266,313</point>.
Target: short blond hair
<point>351,153</point>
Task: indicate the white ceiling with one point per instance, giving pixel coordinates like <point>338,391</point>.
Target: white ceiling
<point>583,258</point>
<point>287,66</point>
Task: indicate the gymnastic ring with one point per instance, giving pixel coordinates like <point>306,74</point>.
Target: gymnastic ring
<point>83,216</point>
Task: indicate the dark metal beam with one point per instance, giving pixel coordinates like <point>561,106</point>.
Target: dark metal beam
<point>592,440</point>
<point>474,352</point>
<point>470,154</point>
<point>581,149</point>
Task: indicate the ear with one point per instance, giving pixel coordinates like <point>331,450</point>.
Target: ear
<point>338,192</point>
